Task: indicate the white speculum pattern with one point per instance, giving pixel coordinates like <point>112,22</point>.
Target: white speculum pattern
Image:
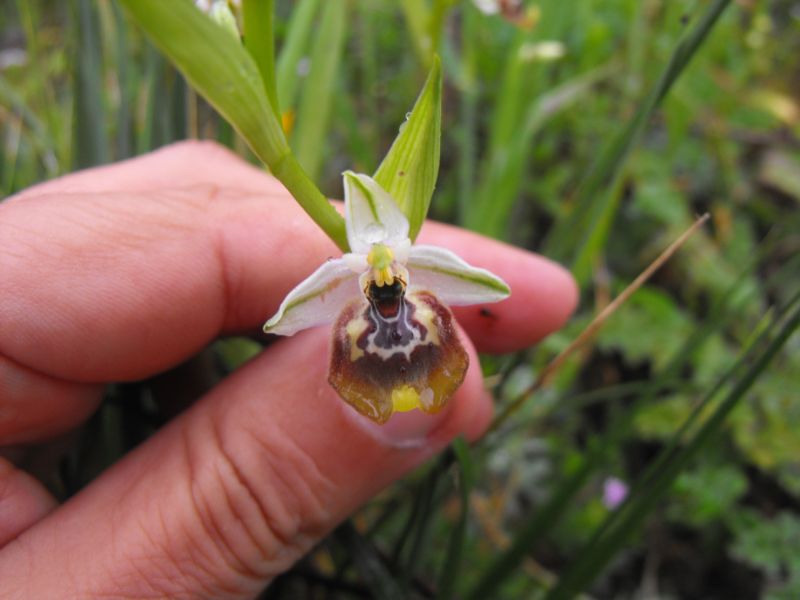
<point>402,333</point>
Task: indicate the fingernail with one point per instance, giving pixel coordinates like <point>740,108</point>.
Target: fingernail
<point>407,430</point>
<point>413,429</point>
<point>465,414</point>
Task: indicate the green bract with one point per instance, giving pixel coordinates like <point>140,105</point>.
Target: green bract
<point>409,170</point>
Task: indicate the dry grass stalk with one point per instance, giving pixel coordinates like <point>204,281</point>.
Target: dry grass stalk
<point>593,327</point>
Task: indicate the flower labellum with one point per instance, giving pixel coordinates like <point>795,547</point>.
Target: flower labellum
<point>394,346</point>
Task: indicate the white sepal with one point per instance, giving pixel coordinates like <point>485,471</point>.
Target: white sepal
<point>371,214</point>
<point>357,263</point>
<point>451,279</point>
<point>402,250</point>
<point>318,299</point>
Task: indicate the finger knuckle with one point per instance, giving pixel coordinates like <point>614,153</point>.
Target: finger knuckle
<point>259,496</point>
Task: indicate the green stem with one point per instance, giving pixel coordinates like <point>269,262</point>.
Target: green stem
<point>260,43</point>
<point>292,175</point>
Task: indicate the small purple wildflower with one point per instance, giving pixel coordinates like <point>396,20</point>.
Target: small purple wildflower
<point>614,492</point>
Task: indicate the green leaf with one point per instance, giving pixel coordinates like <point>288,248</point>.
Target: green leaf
<point>649,327</point>
<point>217,65</point>
<point>770,545</point>
<point>316,98</point>
<point>409,170</point>
<point>220,69</point>
<point>707,493</point>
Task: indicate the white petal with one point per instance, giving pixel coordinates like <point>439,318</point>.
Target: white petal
<point>316,300</point>
<point>371,214</point>
<point>451,279</point>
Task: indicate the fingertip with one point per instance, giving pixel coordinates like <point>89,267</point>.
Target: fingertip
<point>543,297</point>
<point>558,291</point>
<point>481,417</point>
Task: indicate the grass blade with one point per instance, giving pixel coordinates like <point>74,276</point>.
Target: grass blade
<point>451,567</point>
<point>319,88</point>
<point>150,81</point>
<point>599,320</point>
<point>469,95</point>
<point>292,51</point>
<point>125,111</point>
<point>369,564</point>
<point>421,532</point>
<point>408,545</point>
<point>499,188</point>
<point>259,40</point>
<point>40,139</point>
<point>593,559</point>
<point>12,138</point>
<point>31,20</point>
<point>90,142</point>
<point>596,198</point>
<point>538,526</point>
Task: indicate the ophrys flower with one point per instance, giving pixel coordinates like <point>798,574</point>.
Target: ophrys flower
<point>394,345</point>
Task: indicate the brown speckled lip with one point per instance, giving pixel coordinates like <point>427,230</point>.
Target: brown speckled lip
<point>367,382</point>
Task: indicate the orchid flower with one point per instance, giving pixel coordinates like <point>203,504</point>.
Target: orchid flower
<point>394,344</point>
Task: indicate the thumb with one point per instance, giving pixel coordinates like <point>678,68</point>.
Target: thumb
<point>235,490</point>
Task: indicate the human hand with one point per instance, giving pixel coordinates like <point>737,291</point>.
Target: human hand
<point>121,272</point>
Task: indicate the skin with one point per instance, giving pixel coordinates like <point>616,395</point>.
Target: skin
<point>121,272</point>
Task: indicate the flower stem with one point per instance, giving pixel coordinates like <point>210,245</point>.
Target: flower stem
<point>292,175</point>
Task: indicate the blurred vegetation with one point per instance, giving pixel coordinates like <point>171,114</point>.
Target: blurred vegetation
<point>559,135</point>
